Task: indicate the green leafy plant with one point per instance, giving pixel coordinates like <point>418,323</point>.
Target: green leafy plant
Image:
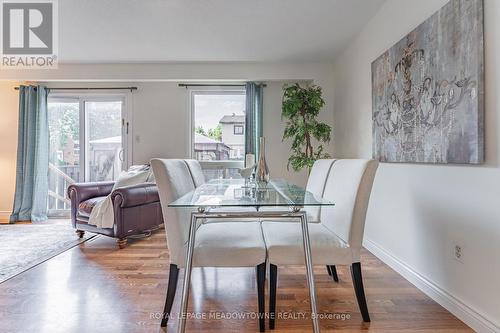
<point>216,133</point>
<point>301,107</point>
<point>213,133</point>
<point>200,130</point>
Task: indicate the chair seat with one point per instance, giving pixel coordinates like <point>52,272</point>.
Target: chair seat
<point>85,208</point>
<point>285,246</point>
<point>229,244</point>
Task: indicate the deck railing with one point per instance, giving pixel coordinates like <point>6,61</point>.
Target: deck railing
<point>59,180</point>
<point>221,169</point>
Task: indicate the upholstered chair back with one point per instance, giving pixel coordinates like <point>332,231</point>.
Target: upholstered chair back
<point>316,185</point>
<point>196,172</point>
<point>174,180</point>
<point>349,186</point>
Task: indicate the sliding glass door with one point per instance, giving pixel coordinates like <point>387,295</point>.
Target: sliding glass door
<point>104,152</point>
<point>87,143</point>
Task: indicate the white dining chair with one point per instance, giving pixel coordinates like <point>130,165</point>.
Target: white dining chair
<point>230,244</point>
<point>337,238</point>
<point>199,179</point>
<point>196,172</point>
<point>316,185</point>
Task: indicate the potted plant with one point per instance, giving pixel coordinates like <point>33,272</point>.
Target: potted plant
<point>301,107</point>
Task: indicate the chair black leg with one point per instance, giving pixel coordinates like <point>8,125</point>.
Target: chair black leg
<point>333,273</point>
<point>261,282</point>
<point>357,281</point>
<point>173,275</point>
<point>273,279</point>
<point>328,270</point>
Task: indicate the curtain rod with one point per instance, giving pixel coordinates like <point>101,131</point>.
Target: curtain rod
<point>213,85</point>
<point>87,88</point>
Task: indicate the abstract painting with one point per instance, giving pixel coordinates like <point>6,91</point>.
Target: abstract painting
<point>427,90</point>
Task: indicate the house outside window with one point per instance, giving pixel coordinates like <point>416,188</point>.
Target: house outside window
<point>232,135</point>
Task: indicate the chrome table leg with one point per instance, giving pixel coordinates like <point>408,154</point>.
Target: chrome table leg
<point>310,272</point>
<point>187,274</point>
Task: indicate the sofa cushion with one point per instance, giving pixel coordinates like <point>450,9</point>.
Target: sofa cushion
<point>85,207</point>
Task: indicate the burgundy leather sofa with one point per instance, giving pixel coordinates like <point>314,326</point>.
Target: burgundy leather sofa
<point>136,208</point>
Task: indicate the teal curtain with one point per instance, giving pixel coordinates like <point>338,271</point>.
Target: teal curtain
<point>253,117</point>
<point>30,200</point>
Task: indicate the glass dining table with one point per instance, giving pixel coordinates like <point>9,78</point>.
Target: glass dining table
<point>237,198</point>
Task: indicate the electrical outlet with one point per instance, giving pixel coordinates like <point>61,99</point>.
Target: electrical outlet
<point>459,253</point>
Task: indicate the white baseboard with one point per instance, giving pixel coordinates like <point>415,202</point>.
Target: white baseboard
<point>464,312</point>
<point>4,217</point>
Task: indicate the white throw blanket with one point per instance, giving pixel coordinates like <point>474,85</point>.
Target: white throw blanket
<point>102,215</point>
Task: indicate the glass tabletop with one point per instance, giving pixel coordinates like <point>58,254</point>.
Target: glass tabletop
<point>238,193</point>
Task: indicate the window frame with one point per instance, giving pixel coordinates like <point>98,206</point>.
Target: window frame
<point>210,90</point>
<point>238,133</point>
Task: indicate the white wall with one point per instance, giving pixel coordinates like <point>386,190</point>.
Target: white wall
<point>160,109</point>
<point>9,101</point>
<point>160,120</point>
<point>418,212</point>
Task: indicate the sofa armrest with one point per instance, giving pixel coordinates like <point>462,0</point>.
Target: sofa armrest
<point>80,192</point>
<point>135,195</point>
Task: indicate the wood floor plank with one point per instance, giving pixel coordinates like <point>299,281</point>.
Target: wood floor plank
<point>97,287</point>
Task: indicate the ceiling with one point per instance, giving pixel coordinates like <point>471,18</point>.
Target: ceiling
<point>109,31</point>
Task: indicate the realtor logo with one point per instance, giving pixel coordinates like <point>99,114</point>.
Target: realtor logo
<point>29,34</point>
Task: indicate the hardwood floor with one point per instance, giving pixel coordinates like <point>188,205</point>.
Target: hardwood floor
<point>96,287</point>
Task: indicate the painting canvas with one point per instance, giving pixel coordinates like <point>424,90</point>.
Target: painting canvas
<point>427,90</point>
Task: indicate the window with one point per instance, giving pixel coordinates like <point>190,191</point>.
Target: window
<point>86,142</point>
<point>218,122</point>
<point>238,129</point>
